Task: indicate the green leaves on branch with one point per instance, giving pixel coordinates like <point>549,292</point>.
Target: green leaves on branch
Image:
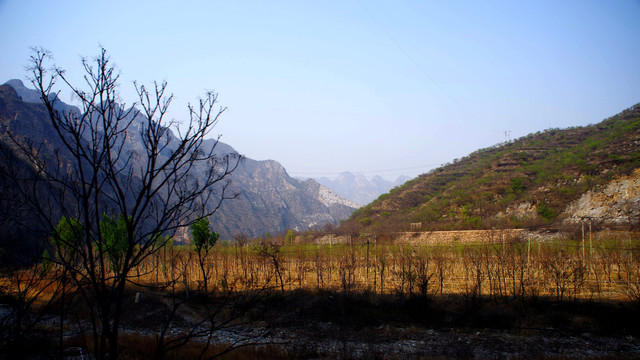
<point>67,233</point>
<point>66,237</point>
<point>203,237</point>
<point>290,237</point>
<point>69,237</point>
<point>114,238</point>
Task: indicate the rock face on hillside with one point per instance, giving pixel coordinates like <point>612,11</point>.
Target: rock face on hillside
<point>522,210</point>
<point>268,200</point>
<point>616,203</point>
<point>271,201</point>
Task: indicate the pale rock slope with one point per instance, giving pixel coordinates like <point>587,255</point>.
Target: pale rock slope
<point>616,203</point>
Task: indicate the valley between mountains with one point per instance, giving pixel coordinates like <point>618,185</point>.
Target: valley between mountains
<point>550,178</point>
<point>526,249</point>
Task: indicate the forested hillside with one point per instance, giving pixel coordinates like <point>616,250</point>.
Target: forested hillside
<point>526,182</point>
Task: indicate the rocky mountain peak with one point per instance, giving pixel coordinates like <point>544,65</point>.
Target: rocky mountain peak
<point>26,94</point>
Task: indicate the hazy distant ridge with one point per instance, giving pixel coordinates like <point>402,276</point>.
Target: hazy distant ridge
<point>359,189</point>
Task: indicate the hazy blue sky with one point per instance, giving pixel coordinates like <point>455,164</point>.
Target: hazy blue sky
<point>386,87</point>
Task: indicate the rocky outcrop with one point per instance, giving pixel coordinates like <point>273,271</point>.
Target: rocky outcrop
<point>522,210</point>
<point>270,201</point>
<point>617,203</point>
<point>329,197</point>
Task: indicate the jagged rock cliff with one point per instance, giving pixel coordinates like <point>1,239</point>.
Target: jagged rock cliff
<point>271,201</point>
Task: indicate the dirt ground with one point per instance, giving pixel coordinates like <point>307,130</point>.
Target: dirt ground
<point>328,340</point>
<point>328,325</point>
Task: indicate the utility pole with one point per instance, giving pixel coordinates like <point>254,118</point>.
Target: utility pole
<point>367,262</point>
<point>528,250</point>
<point>582,222</point>
<point>507,136</point>
<point>590,247</point>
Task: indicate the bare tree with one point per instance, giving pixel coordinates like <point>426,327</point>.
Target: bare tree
<point>269,249</point>
<point>123,163</point>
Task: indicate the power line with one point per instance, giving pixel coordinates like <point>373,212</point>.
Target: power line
<point>406,54</point>
<point>362,171</point>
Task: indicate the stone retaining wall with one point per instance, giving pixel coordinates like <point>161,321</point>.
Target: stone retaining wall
<point>437,237</point>
<point>459,236</point>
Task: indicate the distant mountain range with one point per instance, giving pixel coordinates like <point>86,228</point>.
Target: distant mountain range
<point>269,200</point>
<point>359,189</point>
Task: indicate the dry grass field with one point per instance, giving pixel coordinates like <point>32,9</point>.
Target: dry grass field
<point>602,266</point>
<point>359,299</point>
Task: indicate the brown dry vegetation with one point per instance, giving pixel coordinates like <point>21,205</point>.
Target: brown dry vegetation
<point>565,269</point>
<point>590,285</point>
